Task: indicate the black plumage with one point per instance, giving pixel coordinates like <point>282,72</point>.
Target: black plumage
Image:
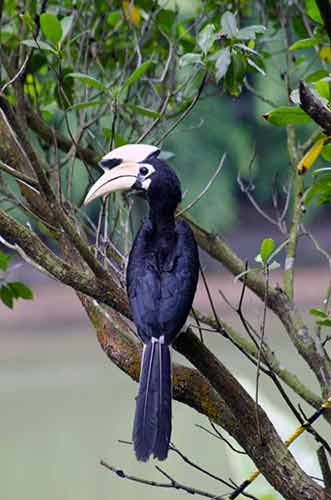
<point>162,277</point>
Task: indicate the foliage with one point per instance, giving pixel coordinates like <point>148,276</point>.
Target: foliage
<point>11,290</point>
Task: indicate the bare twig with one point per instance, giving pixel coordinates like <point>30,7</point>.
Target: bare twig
<point>205,189</point>
<point>25,179</point>
<point>219,435</point>
<point>198,467</point>
<point>17,75</point>
<point>173,484</point>
<point>185,113</point>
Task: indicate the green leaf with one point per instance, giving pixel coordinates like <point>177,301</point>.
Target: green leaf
<point>138,73</point>
<point>313,11</point>
<point>323,170</point>
<point>144,111</point>
<point>251,63</point>
<point>286,115</point>
<point>317,312</point>
<point>6,296</point>
<point>244,47</point>
<point>321,189</point>
<point>4,261</point>
<point>113,18</point>
<point>21,290</point>
<point>324,322</point>
<point>38,44</point>
<point>86,104</point>
<point>235,75</point>
<point>166,18</point>
<point>222,63</point>
<point>250,32</point>
<point>66,24</point>
<point>190,59</point>
<point>229,24</point>
<point>317,75</point>
<point>323,88</point>
<point>206,38</point>
<point>266,249</point>
<point>51,27</point>
<point>304,43</point>
<point>88,80</point>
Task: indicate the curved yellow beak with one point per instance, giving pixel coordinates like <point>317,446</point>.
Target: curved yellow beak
<point>121,178</point>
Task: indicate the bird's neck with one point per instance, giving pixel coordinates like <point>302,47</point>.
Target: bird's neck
<point>163,221</point>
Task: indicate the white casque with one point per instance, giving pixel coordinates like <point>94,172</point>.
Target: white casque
<point>130,152</point>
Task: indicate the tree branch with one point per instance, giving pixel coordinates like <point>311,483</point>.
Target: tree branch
<point>315,108</point>
<point>235,410</point>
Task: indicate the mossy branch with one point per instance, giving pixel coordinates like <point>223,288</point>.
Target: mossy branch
<point>213,392</point>
<point>217,248</point>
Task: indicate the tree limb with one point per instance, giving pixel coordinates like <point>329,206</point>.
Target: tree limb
<point>315,108</point>
<point>222,399</point>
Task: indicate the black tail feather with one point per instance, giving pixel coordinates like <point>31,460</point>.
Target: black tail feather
<point>152,423</point>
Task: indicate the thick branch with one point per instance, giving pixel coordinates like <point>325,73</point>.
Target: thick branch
<point>190,387</point>
<point>12,152</point>
<point>271,456</point>
<point>315,108</point>
<point>223,400</point>
<point>277,301</point>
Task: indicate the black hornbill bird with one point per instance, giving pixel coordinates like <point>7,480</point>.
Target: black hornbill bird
<point>162,276</point>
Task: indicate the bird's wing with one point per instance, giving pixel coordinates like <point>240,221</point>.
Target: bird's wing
<point>178,284</point>
<point>160,301</point>
<point>143,285</point>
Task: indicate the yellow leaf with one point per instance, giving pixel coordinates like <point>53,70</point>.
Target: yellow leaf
<point>309,158</point>
<point>325,54</point>
<point>131,12</point>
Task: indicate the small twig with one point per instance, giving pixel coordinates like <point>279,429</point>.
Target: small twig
<point>198,467</point>
<point>247,191</point>
<point>257,94</point>
<point>24,256</point>
<point>260,351</point>
<point>205,189</point>
<point>171,484</point>
<point>198,325</point>
<point>218,435</point>
<point>318,438</point>
<point>293,437</point>
<point>19,176</point>
<point>17,75</point>
<point>157,120</point>
<point>99,226</point>
<point>185,113</point>
<point>325,467</point>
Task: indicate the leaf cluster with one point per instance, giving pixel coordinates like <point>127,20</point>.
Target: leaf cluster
<point>11,290</point>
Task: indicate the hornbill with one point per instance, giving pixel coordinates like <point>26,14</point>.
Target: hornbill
<point>162,276</point>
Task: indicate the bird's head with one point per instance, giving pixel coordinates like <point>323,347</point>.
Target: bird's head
<point>137,167</point>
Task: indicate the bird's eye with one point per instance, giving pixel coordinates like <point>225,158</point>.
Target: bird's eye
<point>143,170</point>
